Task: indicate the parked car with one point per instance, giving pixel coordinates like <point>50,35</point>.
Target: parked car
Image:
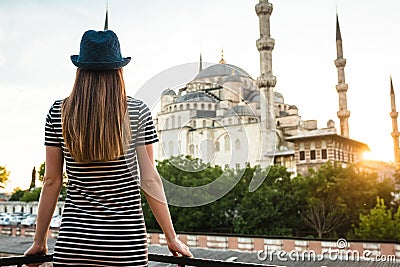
<point>30,220</point>
<point>55,221</point>
<point>5,219</point>
<point>17,217</point>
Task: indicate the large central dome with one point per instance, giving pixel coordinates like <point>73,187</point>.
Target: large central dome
<point>219,70</point>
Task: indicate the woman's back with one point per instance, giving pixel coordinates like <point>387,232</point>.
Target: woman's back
<point>102,217</point>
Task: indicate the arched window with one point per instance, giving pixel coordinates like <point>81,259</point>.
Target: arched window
<point>209,106</point>
<point>170,148</point>
<point>237,144</point>
<point>204,123</point>
<point>166,124</point>
<point>195,106</point>
<point>173,122</point>
<point>217,146</point>
<point>202,106</point>
<point>180,106</point>
<point>227,143</point>
<point>187,106</point>
<point>191,149</point>
<point>179,122</point>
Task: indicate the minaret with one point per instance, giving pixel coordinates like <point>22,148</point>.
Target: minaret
<point>267,81</point>
<point>201,63</point>
<point>343,114</point>
<point>106,20</point>
<point>395,133</point>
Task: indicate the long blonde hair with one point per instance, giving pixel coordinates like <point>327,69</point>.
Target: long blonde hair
<point>95,122</point>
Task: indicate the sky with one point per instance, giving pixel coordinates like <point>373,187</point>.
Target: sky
<point>38,37</point>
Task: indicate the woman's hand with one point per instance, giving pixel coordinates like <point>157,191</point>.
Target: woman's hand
<point>178,247</point>
<point>36,248</point>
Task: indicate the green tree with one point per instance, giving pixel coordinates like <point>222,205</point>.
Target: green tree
<point>32,195</point>
<point>3,176</point>
<point>379,224</point>
<point>41,171</point>
<point>33,179</point>
<point>342,192</point>
<point>272,209</point>
<point>17,194</point>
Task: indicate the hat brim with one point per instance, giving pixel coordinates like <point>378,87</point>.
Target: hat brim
<point>100,65</point>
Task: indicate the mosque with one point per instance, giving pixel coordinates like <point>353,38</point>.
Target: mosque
<point>227,118</point>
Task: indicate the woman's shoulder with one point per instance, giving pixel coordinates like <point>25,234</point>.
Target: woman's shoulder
<point>136,103</point>
<point>56,106</point>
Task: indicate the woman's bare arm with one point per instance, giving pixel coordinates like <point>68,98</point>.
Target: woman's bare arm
<point>155,196</point>
<point>52,183</point>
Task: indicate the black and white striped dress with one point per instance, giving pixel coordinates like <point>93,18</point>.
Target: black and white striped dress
<point>102,222</point>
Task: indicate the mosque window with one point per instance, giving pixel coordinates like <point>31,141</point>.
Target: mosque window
<point>313,155</point>
<point>180,107</point>
<point>191,149</point>
<point>324,154</point>
<point>174,107</point>
<point>217,146</point>
<point>195,106</point>
<point>173,122</point>
<point>227,143</point>
<point>302,155</point>
<point>237,144</point>
<point>187,106</point>
<point>209,106</point>
<point>166,124</point>
<point>237,166</point>
<point>171,148</point>
<point>202,106</point>
<point>204,123</point>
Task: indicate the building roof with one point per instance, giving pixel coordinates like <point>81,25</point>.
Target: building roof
<point>168,92</point>
<point>325,132</point>
<point>219,70</point>
<point>240,110</point>
<point>198,96</point>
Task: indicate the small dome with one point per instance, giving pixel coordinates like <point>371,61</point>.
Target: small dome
<point>293,107</point>
<point>198,96</point>
<point>221,70</point>
<point>168,92</point>
<point>254,97</point>
<point>279,98</point>
<point>240,111</point>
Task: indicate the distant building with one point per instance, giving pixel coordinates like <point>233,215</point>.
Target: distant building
<point>226,117</point>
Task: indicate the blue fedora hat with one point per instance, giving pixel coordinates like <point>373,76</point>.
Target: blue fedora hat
<point>100,50</point>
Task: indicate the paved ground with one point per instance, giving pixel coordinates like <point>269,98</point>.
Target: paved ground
<point>17,245</point>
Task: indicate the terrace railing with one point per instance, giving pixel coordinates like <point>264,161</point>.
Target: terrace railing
<point>180,261</point>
